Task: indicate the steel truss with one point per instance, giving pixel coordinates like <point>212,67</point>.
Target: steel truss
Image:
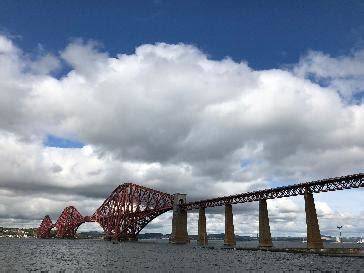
<point>129,209</point>
<point>123,214</point>
<point>45,228</point>
<point>68,223</point>
<point>330,184</point>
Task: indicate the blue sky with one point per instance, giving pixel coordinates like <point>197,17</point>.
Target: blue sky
<point>267,34</point>
<point>54,141</point>
<point>209,98</point>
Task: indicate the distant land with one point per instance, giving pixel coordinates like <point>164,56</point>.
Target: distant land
<point>18,232</point>
<point>31,233</point>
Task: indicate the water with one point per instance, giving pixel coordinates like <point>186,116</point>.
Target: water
<point>156,256</point>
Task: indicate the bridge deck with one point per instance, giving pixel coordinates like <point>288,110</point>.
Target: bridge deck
<point>330,184</point>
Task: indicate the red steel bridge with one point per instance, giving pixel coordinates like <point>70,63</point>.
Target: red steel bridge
<point>130,207</point>
<point>127,210</point>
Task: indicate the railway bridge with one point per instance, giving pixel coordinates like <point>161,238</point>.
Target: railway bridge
<point>131,207</point>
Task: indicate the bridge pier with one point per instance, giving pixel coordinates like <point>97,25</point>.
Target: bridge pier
<point>202,235</point>
<point>179,233</point>
<point>265,239</point>
<point>313,230</point>
<point>229,239</point>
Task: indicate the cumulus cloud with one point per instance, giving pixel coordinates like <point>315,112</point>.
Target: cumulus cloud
<point>344,73</point>
<point>170,118</point>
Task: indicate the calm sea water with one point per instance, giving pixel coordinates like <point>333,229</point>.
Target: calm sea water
<point>156,256</point>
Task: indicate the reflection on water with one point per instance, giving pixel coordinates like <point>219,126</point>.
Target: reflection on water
<point>160,256</point>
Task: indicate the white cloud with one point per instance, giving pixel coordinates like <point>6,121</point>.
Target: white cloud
<point>170,118</point>
<point>6,46</point>
<point>344,73</point>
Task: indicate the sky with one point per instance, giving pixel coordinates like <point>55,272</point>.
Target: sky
<point>199,97</point>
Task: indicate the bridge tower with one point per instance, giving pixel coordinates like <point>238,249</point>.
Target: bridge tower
<point>179,233</point>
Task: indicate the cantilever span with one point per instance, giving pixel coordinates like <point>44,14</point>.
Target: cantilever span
<point>325,185</point>
<point>127,210</point>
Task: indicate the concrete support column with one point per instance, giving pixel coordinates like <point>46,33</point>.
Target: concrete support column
<point>202,235</point>
<point>229,226</point>
<point>313,230</point>
<point>265,239</point>
<point>179,221</point>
